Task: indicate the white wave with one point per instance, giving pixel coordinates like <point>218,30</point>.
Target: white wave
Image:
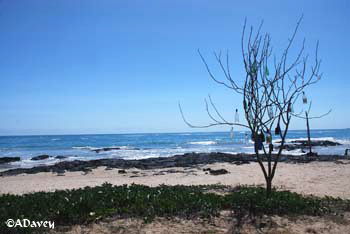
<point>296,152</point>
<point>203,143</point>
<point>123,147</point>
<point>28,163</point>
<point>343,141</point>
<point>230,152</point>
<point>85,147</point>
<point>248,147</point>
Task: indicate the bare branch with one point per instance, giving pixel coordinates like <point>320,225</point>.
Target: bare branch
<point>208,125</point>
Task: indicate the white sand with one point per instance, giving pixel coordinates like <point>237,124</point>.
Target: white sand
<point>318,178</point>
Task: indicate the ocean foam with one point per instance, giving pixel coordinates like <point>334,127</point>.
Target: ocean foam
<point>85,147</point>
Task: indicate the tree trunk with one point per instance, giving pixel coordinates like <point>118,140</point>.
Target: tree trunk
<point>268,186</point>
<point>308,132</point>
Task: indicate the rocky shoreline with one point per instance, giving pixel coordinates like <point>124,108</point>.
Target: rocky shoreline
<point>303,144</point>
<point>186,160</point>
<point>9,159</point>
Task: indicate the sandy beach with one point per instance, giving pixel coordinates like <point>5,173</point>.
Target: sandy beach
<point>317,178</point>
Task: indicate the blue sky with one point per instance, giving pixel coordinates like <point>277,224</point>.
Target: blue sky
<point>74,66</point>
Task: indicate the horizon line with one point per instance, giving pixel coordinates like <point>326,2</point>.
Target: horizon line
<point>175,132</point>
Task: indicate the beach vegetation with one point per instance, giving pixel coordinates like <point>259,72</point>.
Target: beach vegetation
<point>92,204</point>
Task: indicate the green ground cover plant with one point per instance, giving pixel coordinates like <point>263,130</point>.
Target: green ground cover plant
<point>90,204</point>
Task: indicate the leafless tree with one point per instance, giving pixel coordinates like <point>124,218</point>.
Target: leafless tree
<point>270,89</point>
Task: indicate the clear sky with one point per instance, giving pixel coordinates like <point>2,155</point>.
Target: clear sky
<point>87,66</point>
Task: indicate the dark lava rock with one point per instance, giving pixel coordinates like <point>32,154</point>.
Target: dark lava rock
<point>218,172</point>
<point>111,148</point>
<point>290,147</point>
<point>121,172</point>
<point>60,172</point>
<point>190,160</point>
<point>106,149</point>
<point>301,144</point>
<point>317,143</point>
<point>262,224</point>
<point>60,157</point>
<point>9,159</point>
<point>40,157</point>
<point>215,172</point>
<point>86,170</point>
<point>172,171</point>
<point>312,154</point>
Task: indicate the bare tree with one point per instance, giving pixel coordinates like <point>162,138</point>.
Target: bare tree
<point>270,89</point>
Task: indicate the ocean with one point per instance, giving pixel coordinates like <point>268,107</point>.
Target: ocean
<point>147,145</point>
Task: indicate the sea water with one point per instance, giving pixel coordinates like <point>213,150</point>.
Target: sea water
<point>147,145</point>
